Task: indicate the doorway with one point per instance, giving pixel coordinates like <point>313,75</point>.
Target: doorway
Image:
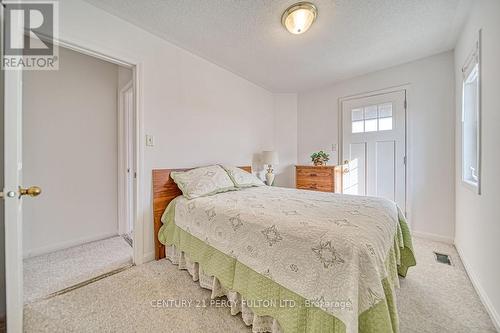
<point>15,191</point>
<point>71,143</point>
<point>374,145</point>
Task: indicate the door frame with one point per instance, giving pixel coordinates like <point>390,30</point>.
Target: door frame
<point>136,66</point>
<point>124,180</point>
<point>406,88</point>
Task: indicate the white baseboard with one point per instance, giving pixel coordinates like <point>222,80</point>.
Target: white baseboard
<point>148,257</point>
<point>65,245</point>
<point>433,237</point>
<point>495,317</point>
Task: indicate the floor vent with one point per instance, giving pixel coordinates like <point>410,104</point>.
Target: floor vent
<point>442,258</point>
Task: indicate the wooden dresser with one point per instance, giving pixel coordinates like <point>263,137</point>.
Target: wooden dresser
<point>318,178</point>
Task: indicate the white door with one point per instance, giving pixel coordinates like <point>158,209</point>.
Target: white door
<point>374,146</point>
<point>10,193</point>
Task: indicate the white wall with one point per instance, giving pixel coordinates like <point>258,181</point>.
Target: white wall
<point>477,216</point>
<point>431,119</point>
<point>198,112</point>
<point>285,138</point>
<point>70,150</point>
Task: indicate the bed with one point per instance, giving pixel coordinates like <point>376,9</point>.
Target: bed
<point>289,260</point>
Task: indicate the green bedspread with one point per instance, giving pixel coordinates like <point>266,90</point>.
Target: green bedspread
<point>302,316</point>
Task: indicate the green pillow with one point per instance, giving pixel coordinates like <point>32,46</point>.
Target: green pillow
<point>202,181</point>
<point>241,178</point>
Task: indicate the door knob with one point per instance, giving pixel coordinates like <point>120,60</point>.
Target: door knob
<point>345,167</point>
<point>32,191</point>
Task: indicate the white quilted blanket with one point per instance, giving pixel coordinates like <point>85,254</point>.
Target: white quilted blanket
<point>328,248</point>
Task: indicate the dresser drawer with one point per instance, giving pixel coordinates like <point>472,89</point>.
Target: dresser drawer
<point>311,173</point>
<point>316,186</point>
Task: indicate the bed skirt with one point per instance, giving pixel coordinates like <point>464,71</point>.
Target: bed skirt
<point>236,302</point>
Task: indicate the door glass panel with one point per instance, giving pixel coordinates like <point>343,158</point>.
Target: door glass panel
<point>371,112</point>
<point>385,124</point>
<point>358,126</point>
<point>385,117</point>
<point>357,114</point>
<point>385,110</point>
<point>371,118</point>
<point>371,125</point>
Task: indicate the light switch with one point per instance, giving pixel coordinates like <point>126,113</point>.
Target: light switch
<point>334,147</point>
<point>150,140</point>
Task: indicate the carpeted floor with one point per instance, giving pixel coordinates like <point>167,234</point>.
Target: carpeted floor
<point>58,270</point>
<point>440,298</point>
<point>433,298</point>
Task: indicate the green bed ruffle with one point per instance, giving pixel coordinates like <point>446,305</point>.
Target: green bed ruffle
<point>255,287</point>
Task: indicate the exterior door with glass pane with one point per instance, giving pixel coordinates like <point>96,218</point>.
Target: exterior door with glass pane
<point>374,146</point>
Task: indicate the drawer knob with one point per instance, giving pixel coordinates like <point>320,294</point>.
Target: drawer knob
<point>313,175</point>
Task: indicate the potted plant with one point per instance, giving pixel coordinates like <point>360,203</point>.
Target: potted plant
<point>320,158</point>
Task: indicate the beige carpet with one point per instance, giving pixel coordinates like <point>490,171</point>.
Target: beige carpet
<point>434,298</point>
<point>440,298</point>
<point>58,270</point>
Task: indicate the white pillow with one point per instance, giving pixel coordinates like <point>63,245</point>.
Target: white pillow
<point>241,178</point>
<point>202,181</point>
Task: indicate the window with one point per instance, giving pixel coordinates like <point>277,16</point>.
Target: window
<point>471,120</point>
<point>372,118</point>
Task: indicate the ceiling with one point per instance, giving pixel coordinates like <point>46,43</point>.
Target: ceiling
<point>349,37</point>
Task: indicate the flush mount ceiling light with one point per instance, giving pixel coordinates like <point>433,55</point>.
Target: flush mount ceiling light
<point>299,17</point>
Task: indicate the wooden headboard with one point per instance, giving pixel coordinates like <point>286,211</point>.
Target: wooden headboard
<point>164,191</point>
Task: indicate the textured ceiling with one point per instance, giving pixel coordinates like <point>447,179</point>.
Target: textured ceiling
<point>349,38</point>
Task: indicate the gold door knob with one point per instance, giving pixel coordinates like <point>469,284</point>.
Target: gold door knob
<point>32,191</point>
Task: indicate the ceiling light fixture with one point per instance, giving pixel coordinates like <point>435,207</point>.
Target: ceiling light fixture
<point>299,17</point>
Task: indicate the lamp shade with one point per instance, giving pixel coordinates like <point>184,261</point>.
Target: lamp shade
<point>270,157</point>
